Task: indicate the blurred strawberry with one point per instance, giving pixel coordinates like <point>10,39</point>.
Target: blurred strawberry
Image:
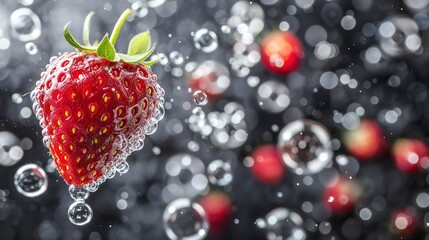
<point>410,155</point>
<point>281,52</point>
<point>342,196</point>
<point>366,141</point>
<point>403,223</point>
<point>267,164</point>
<point>217,206</point>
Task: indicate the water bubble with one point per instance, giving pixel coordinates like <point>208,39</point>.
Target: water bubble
<point>205,40</point>
<point>25,2</point>
<point>273,96</point>
<point>219,173</point>
<point>282,223</point>
<point>30,180</point>
<point>79,213</point>
<point>10,151</point>
<point>305,146</point>
<point>162,59</point>
<point>31,48</point>
<point>200,97</point>
<point>211,77</point>
<point>25,24</point>
<point>78,193</point>
<point>122,167</point>
<point>176,58</point>
<point>185,220</point>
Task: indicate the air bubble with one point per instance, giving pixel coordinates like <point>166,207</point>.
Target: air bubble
<point>122,167</point>
<point>219,173</point>
<point>185,220</point>
<point>79,213</point>
<point>176,58</point>
<point>282,223</point>
<point>25,24</point>
<point>200,97</point>
<point>31,48</point>
<point>30,180</point>
<point>78,193</point>
<point>205,40</point>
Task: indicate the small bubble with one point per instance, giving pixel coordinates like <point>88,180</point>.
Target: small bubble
<point>79,213</point>
<point>205,40</point>
<point>176,58</point>
<point>78,193</point>
<point>122,167</point>
<point>25,24</point>
<point>219,173</point>
<point>225,29</point>
<point>30,180</point>
<point>200,97</point>
<point>31,48</point>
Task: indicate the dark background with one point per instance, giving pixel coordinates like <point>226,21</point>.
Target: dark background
<point>171,25</point>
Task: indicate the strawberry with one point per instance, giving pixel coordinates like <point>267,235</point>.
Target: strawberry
<point>267,164</point>
<point>410,155</point>
<point>95,105</point>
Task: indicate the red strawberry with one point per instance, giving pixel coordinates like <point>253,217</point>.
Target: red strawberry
<point>96,105</point>
<point>342,196</point>
<point>403,222</point>
<point>281,52</point>
<point>267,164</point>
<point>366,141</point>
<point>410,155</point>
<point>217,206</point>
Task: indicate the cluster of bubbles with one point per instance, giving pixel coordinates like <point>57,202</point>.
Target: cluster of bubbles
<point>273,96</point>
<point>11,148</point>
<point>185,220</point>
<point>205,40</point>
<point>79,212</point>
<point>281,223</point>
<point>219,173</point>
<point>225,129</point>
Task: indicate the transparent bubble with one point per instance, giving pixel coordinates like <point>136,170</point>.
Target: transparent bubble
<point>122,167</point>
<point>200,97</point>
<point>305,146</point>
<point>155,3</point>
<point>79,213</point>
<point>211,77</point>
<point>176,58</point>
<point>273,96</point>
<point>282,224</point>
<point>25,2</point>
<point>219,173</point>
<point>30,180</point>
<point>78,193</point>
<point>31,48</point>
<point>205,40</point>
<point>25,24</point>
<point>162,59</point>
<point>185,220</point>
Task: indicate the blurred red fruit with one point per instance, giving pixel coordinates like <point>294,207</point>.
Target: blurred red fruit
<point>366,141</point>
<point>341,196</point>
<point>410,155</point>
<point>267,164</point>
<point>403,222</point>
<point>281,52</point>
<point>217,206</point>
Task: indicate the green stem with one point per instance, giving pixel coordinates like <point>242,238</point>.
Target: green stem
<point>118,25</point>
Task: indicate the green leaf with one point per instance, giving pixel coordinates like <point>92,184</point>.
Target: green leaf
<point>72,41</point>
<point>106,49</point>
<point>152,62</point>
<point>136,58</point>
<point>139,44</point>
<point>86,28</point>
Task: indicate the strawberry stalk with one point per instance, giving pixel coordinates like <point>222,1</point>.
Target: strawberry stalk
<point>138,48</point>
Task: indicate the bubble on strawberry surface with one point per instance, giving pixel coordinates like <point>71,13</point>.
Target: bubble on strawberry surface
<point>219,172</point>
<point>30,180</point>
<point>183,219</point>
<point>200,97</point>
<point>31,48</point>
<point>122,167</point>
<point>305,146</point>
<point>273,96</point>
<point>80,213</point>
<point>78,193</point>
<point>25,24</point>
<point>205,40</point>
<point>282,223</point>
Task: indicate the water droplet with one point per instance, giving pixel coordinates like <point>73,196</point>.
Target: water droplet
<point>25,24</point>
<point>200,97</point>
<point>78,193</point>
<point>305,146</point>
<point>31,48</point>
<point>30,180</point>
<point>79,213</point>
<point>205,40</point>
<point>176,58</point>
<point>185,220</point>
<point>219,173</point>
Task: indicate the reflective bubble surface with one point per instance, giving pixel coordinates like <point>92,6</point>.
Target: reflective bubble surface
<point>79,213</point>
<point>30,180</point>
